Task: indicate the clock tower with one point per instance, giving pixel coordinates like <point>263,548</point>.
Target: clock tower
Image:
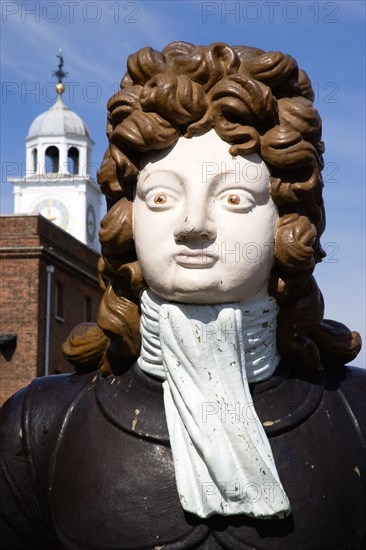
<point>57,182</point>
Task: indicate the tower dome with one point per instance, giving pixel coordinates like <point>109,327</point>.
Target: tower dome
<point>59,120</point>
<point>58,183</point>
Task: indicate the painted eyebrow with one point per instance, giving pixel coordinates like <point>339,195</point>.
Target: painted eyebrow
<point>178,177</point>
<point>217,180</point>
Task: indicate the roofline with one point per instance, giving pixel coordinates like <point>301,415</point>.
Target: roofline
<point>43,177</point>
<point>27,138</point>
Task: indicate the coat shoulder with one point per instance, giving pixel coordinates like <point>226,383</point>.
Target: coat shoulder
<point>353,391</point>
<point>30,424</point>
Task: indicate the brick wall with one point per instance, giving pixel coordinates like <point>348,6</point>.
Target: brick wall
<point>27,245</point>
<point>19,315</point>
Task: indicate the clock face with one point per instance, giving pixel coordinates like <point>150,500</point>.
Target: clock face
<point>54,210</point>
<point>90,223</point>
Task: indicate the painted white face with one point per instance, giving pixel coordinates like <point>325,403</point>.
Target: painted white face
<point>204,223</point>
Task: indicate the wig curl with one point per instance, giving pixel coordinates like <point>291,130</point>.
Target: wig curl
<point>258,102</point>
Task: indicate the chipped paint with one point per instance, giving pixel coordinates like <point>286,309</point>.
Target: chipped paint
<point>20,433</point>
<point>357,470</point>
<point>134,421</point>
<point>271,422</point>
<point>95,378</point>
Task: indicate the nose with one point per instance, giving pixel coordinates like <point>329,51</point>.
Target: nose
<point>195,224</point>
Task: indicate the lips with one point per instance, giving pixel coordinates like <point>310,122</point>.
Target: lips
<point>195,259</point>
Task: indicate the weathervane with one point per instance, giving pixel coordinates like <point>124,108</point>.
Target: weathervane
<point>60,74</point>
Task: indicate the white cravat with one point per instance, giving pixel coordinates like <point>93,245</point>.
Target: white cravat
<point>206,355</point>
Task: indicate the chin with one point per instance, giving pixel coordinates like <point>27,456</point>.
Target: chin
<point>201,295</point>
<point>186,294</point>
<point>191,287</point>
<point>213,294</point>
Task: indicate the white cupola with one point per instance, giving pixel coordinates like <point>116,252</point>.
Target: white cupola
<point>57,182</point>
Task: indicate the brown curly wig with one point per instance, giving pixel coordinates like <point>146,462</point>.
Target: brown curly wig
<point>259,102</point>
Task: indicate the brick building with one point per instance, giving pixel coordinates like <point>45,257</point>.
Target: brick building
<point>39,260</point>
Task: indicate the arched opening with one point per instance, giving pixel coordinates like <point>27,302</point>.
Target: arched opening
<point>73,161</point>
<point>34,159</point>
<point>52,160</point>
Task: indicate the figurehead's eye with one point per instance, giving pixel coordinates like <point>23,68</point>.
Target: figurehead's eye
<point>233,199</point>
<point>161,198</point>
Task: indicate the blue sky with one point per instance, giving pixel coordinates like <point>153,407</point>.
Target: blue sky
<point>326,38</point>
